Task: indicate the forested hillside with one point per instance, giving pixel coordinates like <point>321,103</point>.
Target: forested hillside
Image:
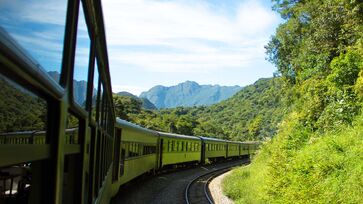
<point>316,155</point>
<point>252,114</point>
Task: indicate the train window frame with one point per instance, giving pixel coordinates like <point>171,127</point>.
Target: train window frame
<point>89,63</point>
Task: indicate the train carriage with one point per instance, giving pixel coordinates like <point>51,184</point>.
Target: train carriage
<point>137,151</point>
<point>252,147</point>
<point>213,149</point>
<point>243,148</point>
<point>178,149</point>
<point>232,149</point>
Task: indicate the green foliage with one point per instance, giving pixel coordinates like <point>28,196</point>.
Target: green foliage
<point>314,33</point>
<point>125,105</point>
<point>316,155</point>
<point>252,114</point>
<point>327,170</point>
<point>345,68</point>
<point>19,109</point>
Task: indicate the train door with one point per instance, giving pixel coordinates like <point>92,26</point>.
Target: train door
<point>203,153</point>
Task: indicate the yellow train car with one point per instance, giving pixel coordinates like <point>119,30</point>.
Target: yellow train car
<point>213,149</point>
<point>136,152</point>
<point>178,149</point>
<point>232,149</point>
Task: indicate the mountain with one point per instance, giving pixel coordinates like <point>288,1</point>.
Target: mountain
<point>146,104</point>
<point>188,93</point>
<point>251,114</point>
<point>79,88</point>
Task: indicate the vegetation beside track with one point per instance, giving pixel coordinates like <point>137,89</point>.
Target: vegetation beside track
<point>316,155</point>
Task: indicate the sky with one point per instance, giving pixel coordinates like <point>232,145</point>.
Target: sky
<point>154,42</point>
<point>168,42</point>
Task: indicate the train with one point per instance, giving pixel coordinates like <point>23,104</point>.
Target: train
<point>142,151</point>
<point>137,151</point>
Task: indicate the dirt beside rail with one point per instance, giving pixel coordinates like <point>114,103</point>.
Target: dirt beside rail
<point>215,188</point>
<point>164,188</point>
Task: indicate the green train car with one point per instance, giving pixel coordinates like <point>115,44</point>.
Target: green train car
<point>178,149</point>
<point>233,149</point>
<point>213,149</point>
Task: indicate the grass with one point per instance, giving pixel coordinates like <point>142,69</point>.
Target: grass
<point>326,169</point>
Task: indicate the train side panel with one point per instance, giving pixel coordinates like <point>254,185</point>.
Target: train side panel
<point>233,149</point>
<point>179,149</point>
<point>138,153</point>
<point>214,148</point>
<point>244,149</point>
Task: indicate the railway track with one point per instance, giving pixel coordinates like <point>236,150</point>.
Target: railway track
<point>197,191</point>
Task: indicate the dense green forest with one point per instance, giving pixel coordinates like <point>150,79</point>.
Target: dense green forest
<point>19,109</point>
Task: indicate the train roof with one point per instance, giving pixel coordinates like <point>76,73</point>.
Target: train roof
<point>125,124</point>
<point>213,139</point>
<point>251,142</point>
<point>173,135</point>
<point>235,142</point>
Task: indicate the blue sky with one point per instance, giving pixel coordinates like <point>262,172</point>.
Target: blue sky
<point>155,42</point>
<point>169,42</point>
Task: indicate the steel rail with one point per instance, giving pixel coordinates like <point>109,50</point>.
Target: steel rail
<point>213,173</point>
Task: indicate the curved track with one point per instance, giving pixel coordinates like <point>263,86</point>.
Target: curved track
<point>197,192</point>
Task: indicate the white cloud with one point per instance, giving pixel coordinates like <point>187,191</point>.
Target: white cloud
<point>136,90</point>
<point>186,36</point>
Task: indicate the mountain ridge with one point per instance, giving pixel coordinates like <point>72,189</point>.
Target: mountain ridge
<point>188,93</point>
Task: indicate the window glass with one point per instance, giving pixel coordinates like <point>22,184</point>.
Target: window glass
<point>95,90</point>
<point>23,120</point>
<point>100,103</point>
<point>81,61</point>
<point>38,27</point>
<point>23,115</point>
<point>72,129</point>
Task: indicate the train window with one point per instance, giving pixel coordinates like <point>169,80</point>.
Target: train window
<point>95,90</point>
<point>149,149</point>
<point>100,103</point>
<point>170,146</point>
<point>182,146</point>
<point>40,32</point>
<point>133,149</point>
<point>23,120</point>
<point>23,115</point>
<point>177,146</point>
<point>72,129</point>
<point>127,149</point>
<point>80,75</point>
